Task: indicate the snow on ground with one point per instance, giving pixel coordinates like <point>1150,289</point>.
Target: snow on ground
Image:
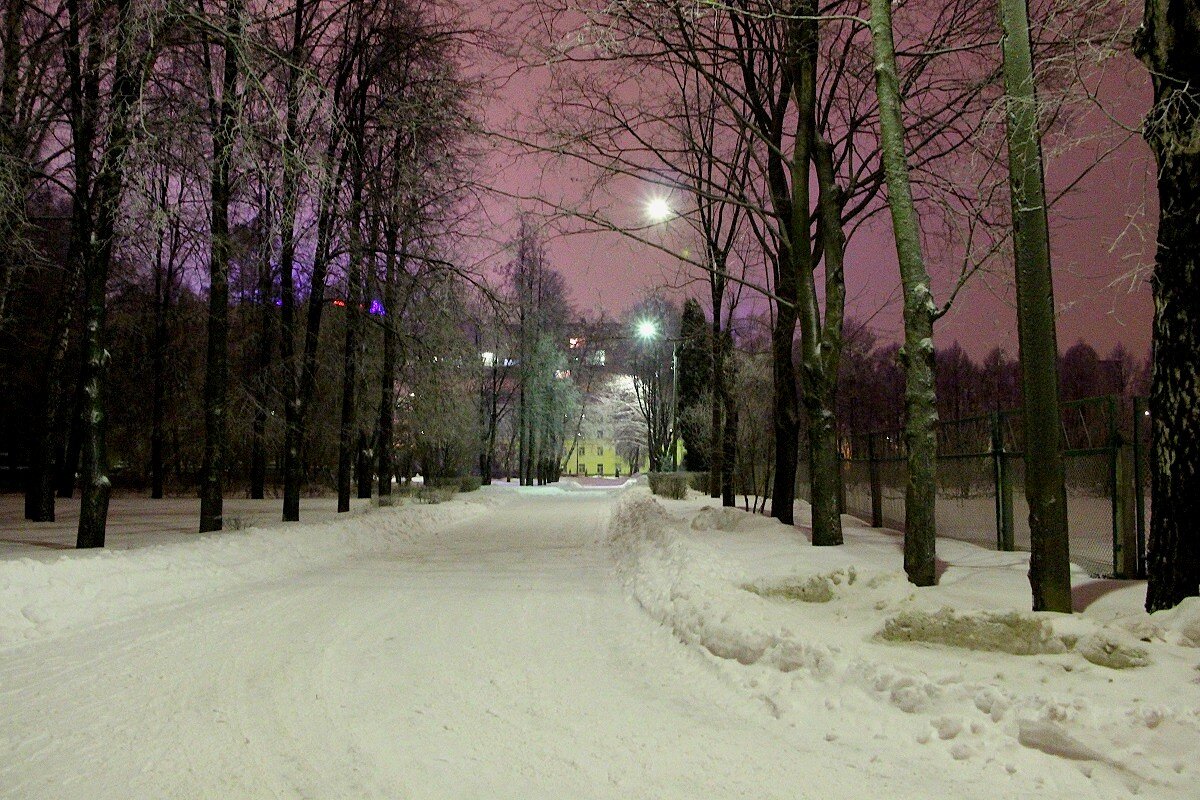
<point>557,643</point>
<point>135,521</point>
<point>1103,703</point>
<point>57,592</point>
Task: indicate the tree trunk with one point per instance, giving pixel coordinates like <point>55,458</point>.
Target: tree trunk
<point>262,385</point>
<point>387,382</point>
<point>266,325</point>
<point>68,454</point>
<point>158,356</point>
<point>786,410</point>
<point>920,401</point>
<point>128,72</point>
<point>349,421</point>
<point>82,90</point>
<point>716,466</point>
<point>216,373</point>
<point>1049,561</point>
<point>362,471</point>
<point>48,453</point>
<point>824,463</point>
<point>1167,43</point>
<point>293,435</point>
<point>794,262</point>
<point>729,445</point>
<point>14,151</point>
<point>822,349</point>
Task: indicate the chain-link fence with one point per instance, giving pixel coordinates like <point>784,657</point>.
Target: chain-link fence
<point>981,496</point>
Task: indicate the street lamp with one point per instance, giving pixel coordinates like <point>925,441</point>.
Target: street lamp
<point>647,331</point>
<point>658,209</point>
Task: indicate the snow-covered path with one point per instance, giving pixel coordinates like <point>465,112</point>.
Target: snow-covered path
<point>496,658</point>
<point>491,649</point>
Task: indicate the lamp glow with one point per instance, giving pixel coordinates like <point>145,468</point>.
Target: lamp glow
<point>658,209</point>
<point>647,329</point>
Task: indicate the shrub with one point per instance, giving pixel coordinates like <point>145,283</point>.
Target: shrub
<point>459,483</point>
<point>442,481</point>
<point>669,484</point>
<point>435,494</point>
<point>698,481</point>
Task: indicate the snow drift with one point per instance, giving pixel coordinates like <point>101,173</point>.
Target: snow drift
<point>87,587</point>
<point>1115,688</point>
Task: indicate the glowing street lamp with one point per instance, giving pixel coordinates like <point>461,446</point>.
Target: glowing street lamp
<point>647,331</point>
<point>658,209</point>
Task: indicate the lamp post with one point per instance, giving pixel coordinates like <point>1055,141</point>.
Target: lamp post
<point>658,210</point>
<point>647,331</point>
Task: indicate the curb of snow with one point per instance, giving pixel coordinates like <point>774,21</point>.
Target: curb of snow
<point>89,587</point>
<point>690,589</point>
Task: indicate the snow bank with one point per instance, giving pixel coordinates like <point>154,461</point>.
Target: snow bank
<point>841,634</point>
<point>1008,632</point>
<point>85,587</point>
<point>721,518</point>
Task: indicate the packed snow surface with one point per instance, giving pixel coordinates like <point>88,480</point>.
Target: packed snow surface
<point>558,643</point>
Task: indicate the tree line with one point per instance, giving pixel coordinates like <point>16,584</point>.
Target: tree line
<point>780,128</point>
<point>235,249</point>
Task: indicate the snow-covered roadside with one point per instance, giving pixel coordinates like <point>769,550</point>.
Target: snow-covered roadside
<point>836,637</point>
<point>39,598</point>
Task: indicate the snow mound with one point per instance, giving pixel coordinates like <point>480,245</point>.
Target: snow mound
<point>679,583</point>
<point>1105,649</point>
<point>1007,632</point>
<point>1183,621</point>
<point>1016,633</point>
<point>85,587</point>
<point>834,654</point>
<point>1053,740</point>
<point>730,519</point>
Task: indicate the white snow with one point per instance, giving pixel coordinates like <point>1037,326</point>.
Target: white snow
<point>557,643</point>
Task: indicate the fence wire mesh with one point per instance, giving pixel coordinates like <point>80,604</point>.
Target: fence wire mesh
<point>980,491</point>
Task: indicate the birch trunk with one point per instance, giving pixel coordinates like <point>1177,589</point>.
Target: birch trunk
<point>920,402</point>
<point>1049,559</point>
<point>128,71</point>
<point>822,356</point>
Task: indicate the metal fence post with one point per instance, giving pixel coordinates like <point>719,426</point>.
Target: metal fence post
<point>1113,469</point>
<point>841,468</point>
<point>876,483</point>
<point>1004,489</point>
<point>1124,533</point>
<point>1139,486</point>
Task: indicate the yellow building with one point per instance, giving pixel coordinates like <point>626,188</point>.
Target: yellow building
<point>610,417</point>
<point>595,456</point>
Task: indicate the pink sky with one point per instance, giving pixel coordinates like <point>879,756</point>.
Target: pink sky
<point>1101,260</point>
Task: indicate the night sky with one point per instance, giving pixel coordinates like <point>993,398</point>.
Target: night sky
<point>1102,238</point>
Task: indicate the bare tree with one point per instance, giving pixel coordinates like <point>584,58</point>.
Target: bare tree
<point>135,29</point>
<point>919,310</point>
<point>1045,489</point>
<point>30,93</point>
<point>1166,43</point>
<point>224,113</point>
